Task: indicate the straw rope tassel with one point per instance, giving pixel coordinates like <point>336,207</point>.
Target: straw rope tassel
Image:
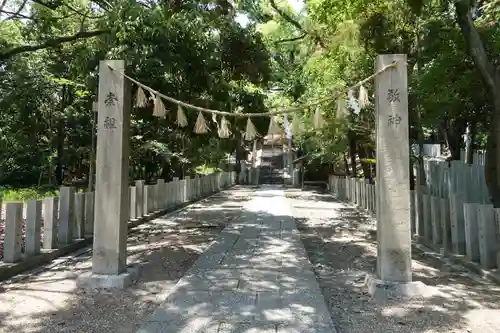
<point>264,114</point>
<point>250,131</point>
<point>318,121</point>
<point>201,125</point>
<point>159,108</point>
<point>141,99</point>
<point>224,131</point>
<point>181,120</point>
<point>273,127</point>
<point>341,108</point>
<point>363,99</point>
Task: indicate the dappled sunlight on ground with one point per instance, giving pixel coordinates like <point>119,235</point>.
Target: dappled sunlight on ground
<point>341,244</point>
<point>165,248</point>
<point>255,276</point>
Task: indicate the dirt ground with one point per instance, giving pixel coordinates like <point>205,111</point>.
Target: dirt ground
<point>341,243</point>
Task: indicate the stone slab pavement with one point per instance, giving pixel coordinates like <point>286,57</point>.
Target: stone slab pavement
<point>255,278</point>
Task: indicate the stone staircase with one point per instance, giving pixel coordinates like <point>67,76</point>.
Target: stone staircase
<point>271,167</point>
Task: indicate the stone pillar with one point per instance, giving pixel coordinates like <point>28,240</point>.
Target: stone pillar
<point>50,222</point>
<point>33,227</point>
<point>109,259</point>
<point>393,179</point>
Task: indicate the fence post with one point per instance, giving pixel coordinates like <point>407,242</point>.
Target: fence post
<point>79,211</point>
<point>89,213</point>
<point>471,237</point>
<point>132,194</point>
<point>457,224</point>
<point>139,197</point>
<point>436,221</point>
<point>33,227</point>
<point>445,225</point>
<point>66,215</point>
<point>486,236</point>
<point>50,208</point>
<point>160,194</point>
<point>13,231</point>
<point>427,226</point>
<point>147,198</point>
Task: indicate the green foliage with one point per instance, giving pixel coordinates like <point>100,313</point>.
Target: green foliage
<point>25,194</point>
<point>191,51</point>
<point>198,52</point>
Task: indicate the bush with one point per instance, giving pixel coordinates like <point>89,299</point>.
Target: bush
<point>25,194</point>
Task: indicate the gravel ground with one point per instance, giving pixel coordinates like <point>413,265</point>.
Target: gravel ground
<point>165,248</point>
<point>341,245</point>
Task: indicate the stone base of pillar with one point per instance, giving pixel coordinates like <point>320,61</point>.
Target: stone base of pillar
<point>384,290</point>
<point>95,282</point>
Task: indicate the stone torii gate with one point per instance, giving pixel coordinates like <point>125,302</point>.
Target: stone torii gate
<point>109,260</point>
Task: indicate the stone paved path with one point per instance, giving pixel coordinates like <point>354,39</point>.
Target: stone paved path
<point>255,278</point>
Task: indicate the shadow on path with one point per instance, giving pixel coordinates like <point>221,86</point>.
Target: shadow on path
<point>165,248</point>
<point>341,244</point>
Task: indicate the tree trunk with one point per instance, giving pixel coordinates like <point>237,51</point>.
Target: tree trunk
<point>346,164</point>
<point>59,169</point>
<point>352,153</point>
<point>416,109</point>
<point>491,80</point>
<point>412,174</point>
<point>363,156</point>
<point>453,135</point>
<point>469,148</point>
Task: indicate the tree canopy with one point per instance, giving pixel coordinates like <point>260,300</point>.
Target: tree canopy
<point>247,56</point>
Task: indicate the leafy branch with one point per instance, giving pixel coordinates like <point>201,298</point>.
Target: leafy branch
<point>297,25</point>
<point>4,55</point>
